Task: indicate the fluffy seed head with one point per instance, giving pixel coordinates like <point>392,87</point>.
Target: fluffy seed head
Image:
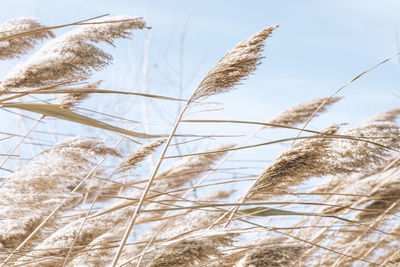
<point>385,116</point>
<point>234,66</point>
<point>32,192</point>
<point>301,112</point>
<point>272,256</point>
<point>137,156</point>
<point>71,56</point>
<point>14,47</point>
<point>190,167</point>
<point>323,156</point>
<point>71,99</point>
<point>191,251</point>
<point>307,158</point>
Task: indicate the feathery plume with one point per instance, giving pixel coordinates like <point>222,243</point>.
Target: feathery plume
<point>98,252</point>
<point>195,218</point>
<point>137,156</point>
<point>183,224</point>
<point>81,145</point>
<point>302,111</point>
<point>192,251</point>
<point>385,116</point>
<point>71,99</point>
<point>355,155</point>
<point>173,176</point>
<point>307,158</point>
<point>272,256</point>
<point>32,192</point>
<point>234,66</point>
<point>20,45</point>
<point>127,164</point>
<point>393,260</point>
<point>59,242</point>
<point>190,167</point>
<point>71,56</point>
<point>380,189</point>
<point>382,199</point>
<point>323,156</point>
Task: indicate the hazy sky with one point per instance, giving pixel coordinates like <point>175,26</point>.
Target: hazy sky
<point>319,46</point>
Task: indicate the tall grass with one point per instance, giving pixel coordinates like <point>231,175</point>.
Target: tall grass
<point>87,201</point>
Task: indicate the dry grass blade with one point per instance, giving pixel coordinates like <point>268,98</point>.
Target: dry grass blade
<point>265,124</point>
<point>92,91</point>
<point>57,111</point>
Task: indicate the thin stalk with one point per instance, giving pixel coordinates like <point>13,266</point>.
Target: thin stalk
<point>147,188</point>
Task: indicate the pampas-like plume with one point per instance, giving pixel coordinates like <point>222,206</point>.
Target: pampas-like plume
<point>137,156</point>
<point>355,155</point>
<point>99,252</point>
<point>393,260</point>
<point>130,162</point>
<point>385,116</point>
<point>194,219</point>
<point>94,230</point>
<point>192,251</point>
<point>58,243</point>
<point>173,176</point>
<point>71,99</point>
<point>234,66</point>
<point>302,111</point>
<point>32,192</point>
<point>82,146</point>
<point>307,158</point>
<point>71,56</point>
<point>323,156</point>
<point>382,189</point>
<point>20,45</point>
<point>182,225</point>
<point>272,256</point>
<point>190,167</point>
<point>389,161</point>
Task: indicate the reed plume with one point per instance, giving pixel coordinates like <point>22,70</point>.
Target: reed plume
<point>301,112</point>
<point>192,251</point>
<point>191,167</point>
<point>31,193</point>
<point>137,156</point>
<point>323,156</point>
<point>234,66</point>
<point>272,256</point>
<point>13,46</point>
<point>309,157</point>
<point>71,99</point>
<point>71,56</point>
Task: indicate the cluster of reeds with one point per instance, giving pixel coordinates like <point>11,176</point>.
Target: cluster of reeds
<point>86,202</point>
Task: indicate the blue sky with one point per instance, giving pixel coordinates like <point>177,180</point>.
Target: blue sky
<point>319,46</point>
